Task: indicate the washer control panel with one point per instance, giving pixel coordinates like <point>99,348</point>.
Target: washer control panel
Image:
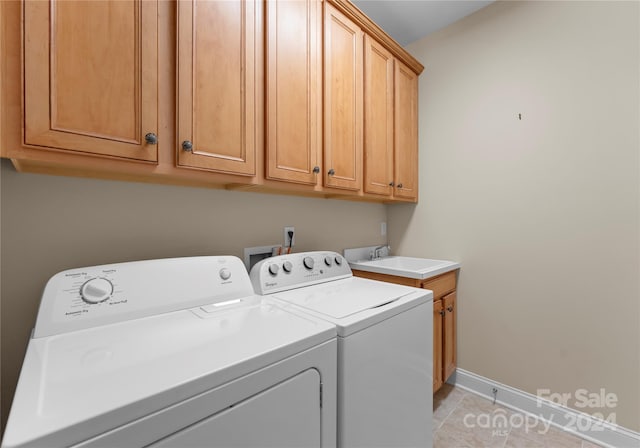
<point>99,295</point>
<point>290,271</point>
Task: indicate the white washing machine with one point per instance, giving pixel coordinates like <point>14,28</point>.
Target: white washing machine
<point>385,345</point>
<point>175,352</point>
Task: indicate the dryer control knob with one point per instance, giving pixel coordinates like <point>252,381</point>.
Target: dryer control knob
<point>287,266</point>
<point>273,269</point>
<point>96,290</point>
<point>308,262</point>
<point>328,260</point>
<point>225,274</point>
<point>338,261</point>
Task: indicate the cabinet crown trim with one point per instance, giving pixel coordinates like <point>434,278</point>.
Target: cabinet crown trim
<point>371,28</point>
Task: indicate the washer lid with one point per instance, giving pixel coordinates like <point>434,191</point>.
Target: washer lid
<point>76,385</point>
<point>353,304</point>
<point>344,298</point>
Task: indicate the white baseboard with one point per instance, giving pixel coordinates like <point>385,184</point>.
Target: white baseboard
<point>562,417</point>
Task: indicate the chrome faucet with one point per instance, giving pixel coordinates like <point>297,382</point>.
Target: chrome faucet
<point>377,252</point>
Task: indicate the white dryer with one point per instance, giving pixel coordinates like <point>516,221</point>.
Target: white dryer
<point>175,352</point>
<point>385,345</point>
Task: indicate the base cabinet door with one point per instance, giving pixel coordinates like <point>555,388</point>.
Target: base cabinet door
<point>449,335</point>
<point>444,337</point>
<point>217,86</point>
<point>91,77</point>
<point>437,344</point>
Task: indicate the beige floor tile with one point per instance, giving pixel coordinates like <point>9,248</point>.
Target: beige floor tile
<point>465,420</point>
<point>518,440</point>
<point>477,423</point>
<point>561,439</point>
<point>444,402</point>
<point>532,434</point>
<point>475,403</point>
<point>446,438</point>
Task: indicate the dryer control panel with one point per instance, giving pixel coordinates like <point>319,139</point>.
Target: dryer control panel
<point>291,271</point>
<point>98,295</point>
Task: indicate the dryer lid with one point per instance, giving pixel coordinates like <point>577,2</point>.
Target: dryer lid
<point>76,385</point>
<point>343,298</point>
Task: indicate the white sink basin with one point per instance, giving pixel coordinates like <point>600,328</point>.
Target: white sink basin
<point>410,267</point>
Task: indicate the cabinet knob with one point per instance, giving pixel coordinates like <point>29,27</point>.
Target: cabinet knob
<point>442,313</point>
<point>187,145</point>
<point>450,309</point>
<point>399,185</point>
<point>391,184</point>
<point>151,138</point>
<point>332,172</point>
<point>316,169</point>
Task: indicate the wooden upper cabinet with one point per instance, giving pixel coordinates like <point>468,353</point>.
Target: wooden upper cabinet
<point>217,85</point>
<point>378,118</point>
<point>91,76</point>
<point>343,45</point>
<point>406,132</point>
<point>265,91</point>
<point>294,90</point>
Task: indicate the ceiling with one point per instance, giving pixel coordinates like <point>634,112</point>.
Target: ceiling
<point>409,20</point>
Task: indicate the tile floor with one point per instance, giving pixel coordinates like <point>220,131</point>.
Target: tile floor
<point>464,420</point>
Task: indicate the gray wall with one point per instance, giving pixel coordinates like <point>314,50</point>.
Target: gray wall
<point>542,212</point>
<point>54,223</point>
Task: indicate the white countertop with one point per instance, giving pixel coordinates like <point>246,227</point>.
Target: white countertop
<point>410,267</point>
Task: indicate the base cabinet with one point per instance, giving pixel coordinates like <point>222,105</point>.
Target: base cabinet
<point>444,339</point>
<point>438,315</point>
<point>449,335</point>
<point>444,318</point>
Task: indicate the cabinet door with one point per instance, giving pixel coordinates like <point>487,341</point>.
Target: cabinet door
<point>216,85</point>
<point>406,132</point>
<point>91,76</point>
<point>294,90</point>
<point>437,344</point>
<point>378,118</point>
<point>449,335</point>
<point>342,101</point>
